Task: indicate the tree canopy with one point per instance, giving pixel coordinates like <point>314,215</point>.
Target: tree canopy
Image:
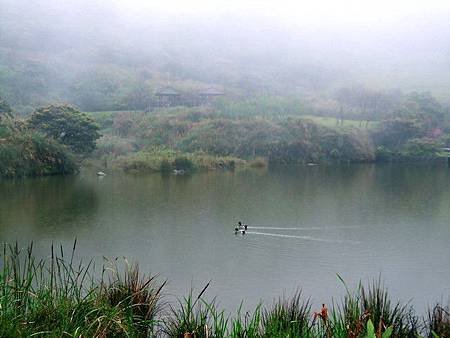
<point>68,126</point>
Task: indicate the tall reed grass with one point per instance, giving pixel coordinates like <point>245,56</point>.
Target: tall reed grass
<point>64,296</point>
<point>61,297</point>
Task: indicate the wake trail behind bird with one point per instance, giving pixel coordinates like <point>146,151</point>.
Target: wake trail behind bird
<point>308,228</point>
<point>306,238</point>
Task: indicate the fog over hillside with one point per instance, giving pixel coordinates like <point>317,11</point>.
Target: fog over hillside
<point>68,51</point>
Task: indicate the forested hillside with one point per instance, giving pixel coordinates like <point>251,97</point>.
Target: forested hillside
<point>103,57</point>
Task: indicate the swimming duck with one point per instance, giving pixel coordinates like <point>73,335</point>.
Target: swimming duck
<point>242,226</point>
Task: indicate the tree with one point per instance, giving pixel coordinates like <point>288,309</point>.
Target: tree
<point>68,126</point>
<point>424,108</point>
<point>393,133</point>
<point>368,104</point>
<point>137,97</point>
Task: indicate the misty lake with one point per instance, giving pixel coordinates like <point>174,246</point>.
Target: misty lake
<point>306,225</point>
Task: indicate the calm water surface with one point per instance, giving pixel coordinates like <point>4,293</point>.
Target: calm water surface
<point>309,224</point>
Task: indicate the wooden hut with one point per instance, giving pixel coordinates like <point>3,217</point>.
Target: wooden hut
<point>207,95</point>
<point>167,97</point>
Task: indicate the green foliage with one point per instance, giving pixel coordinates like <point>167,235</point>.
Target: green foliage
<point>26,152</point>
<point>371,331</point>
<point>66,125</point>
<point>8,127</point>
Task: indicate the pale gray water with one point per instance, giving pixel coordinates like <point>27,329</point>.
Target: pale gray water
<point>306,225</point>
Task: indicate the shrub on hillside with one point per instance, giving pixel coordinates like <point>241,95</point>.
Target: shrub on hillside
<point>5,108</point>
<point>32,154</point>
<point>421,147</point>
<point>354,146</point>
<point>113,145</point>
<point>228,137</point>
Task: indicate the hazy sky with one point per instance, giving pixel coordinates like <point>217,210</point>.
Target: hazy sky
<point>318,20</point>
<point>345,15</point>
<point>399,38</point>
<point>320,12</point>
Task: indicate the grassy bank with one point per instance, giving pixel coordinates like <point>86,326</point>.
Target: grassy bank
<point>59,297</point>
<point>163,160</point>
<point>166,160</point>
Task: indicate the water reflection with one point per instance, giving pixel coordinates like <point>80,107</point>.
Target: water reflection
<point>355,220</point>
<point>49,204</point>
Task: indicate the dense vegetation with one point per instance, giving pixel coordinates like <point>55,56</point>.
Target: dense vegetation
<point>281,130</point>
<point>60,297</point>
<point>199,132</point>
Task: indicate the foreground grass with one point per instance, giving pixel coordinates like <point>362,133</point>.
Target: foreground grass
<point>58,297</point>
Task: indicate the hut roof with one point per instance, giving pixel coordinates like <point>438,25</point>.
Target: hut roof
<point>167,91</point>
<point>211,92</point>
